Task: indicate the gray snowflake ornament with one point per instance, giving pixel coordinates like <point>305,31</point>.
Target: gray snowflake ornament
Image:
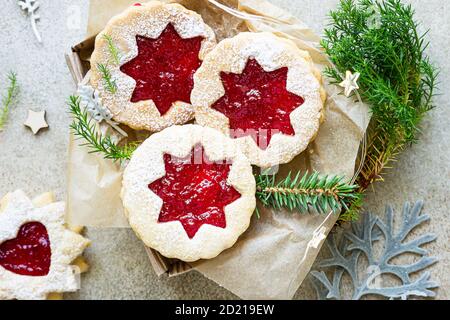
<point>90,99</point>
<point>30,7</point>
<point>359,243</point>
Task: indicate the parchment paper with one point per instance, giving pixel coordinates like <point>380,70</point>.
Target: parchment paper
<point>273,257</point>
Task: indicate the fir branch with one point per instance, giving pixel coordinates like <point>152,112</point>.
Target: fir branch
<point>397,80</point>
<point>113,50</point>
<point>83,127</point>
<point>109,82</point>
<point>302,193</point>
<point>8,99</point>
<point>308,191</point>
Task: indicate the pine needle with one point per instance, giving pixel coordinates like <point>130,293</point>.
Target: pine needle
<point>109,82</point>
<point>83,127</point>
<point>8,99</point>
<point>306,192</point>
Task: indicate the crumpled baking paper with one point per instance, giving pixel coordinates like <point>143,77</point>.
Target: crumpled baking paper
<point>273,257</point>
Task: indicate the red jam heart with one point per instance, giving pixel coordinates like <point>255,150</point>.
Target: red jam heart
<point>195,191</point>
<point>29,254</point>
<point>257,103</point>
<point>164,68</point>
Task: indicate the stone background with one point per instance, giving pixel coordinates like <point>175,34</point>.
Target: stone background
<point>119,266</point>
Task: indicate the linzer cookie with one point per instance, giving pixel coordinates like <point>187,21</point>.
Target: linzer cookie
<point>262,91</point>
<point>188,192</point>
<point>37,251</point>
<point>144,61</point>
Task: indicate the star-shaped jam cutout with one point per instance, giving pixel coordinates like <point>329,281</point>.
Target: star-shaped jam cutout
<point>257,103</point>
<point>164,68</point>
<point>194,191</point>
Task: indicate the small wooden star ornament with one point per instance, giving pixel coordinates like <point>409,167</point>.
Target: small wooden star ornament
<point>350,83</point>
<point>36,121</point>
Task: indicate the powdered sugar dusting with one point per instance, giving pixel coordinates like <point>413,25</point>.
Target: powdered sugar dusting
<point>143,206</point>
<point>271,52</point>
<point>149,20</point>
<point>65,247</point>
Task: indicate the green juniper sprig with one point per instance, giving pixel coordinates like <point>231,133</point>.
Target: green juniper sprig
<point>8,99</point>
<point>305,192</point>
<point>109,82</point>
<point>397,79</point>
<point>84,128</point>
<point>113,50</point>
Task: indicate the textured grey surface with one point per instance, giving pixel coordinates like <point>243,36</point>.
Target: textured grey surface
<point>119,266</point>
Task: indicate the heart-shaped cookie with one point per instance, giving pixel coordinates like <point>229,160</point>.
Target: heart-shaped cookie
<point>39,254</point>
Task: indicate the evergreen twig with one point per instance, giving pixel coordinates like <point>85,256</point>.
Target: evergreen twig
<point>109,82</point>
<point>84,128</point>
<point>305,192</point>
<point>113,50</point>
<point>8,99</point>
<point>397,80</point>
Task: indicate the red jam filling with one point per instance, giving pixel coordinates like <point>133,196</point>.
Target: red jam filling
<point>29,254</point>
<point>194,191</point>
<point>257,103</point>
<point>164,68</point>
